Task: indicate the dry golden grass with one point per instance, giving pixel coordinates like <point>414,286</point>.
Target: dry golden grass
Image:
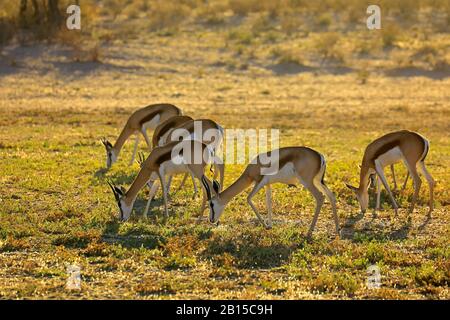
<point>244,72</point>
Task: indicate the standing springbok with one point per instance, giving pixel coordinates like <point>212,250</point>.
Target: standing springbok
<point>295,164</point>
<point>139,122</point>
<point>407,146</point>
<point>174,157</point>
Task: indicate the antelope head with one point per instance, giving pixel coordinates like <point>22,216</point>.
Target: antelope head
<point>362,195</point>
<point>124,209</point>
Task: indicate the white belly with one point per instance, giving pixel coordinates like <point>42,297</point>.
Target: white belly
<point>390,157</point>
<point>174,167</point>
<point>285,175</point>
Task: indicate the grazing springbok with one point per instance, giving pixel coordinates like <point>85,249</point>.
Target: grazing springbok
<point>203,130</point>
<point>407,146</point>
<point>139,122</point>
<point>295,165</point>
<point>172,158</point>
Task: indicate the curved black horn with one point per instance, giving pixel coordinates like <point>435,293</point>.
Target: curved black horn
<point>114,190</point>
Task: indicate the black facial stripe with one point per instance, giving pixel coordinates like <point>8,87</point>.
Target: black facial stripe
<point>211,205</point>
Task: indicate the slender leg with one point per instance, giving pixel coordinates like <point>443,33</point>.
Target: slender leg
<point>417,183</point>
<point>182,182</point>
<point>393,176</point>
<point>136,142</point>
<point>431,184</point>
<point>378,183</point>
<point>169,182</point>
<point>255,190</point>
<point>203,207</point>
<point>380,173</point>
<point>406,180</point>
<point>164,189</point>
<point>319,202</point>
<point>186,175</point>
<point>194,182</point>
<point>153,189</point>
<point>330,196</point>
<point>269,204</point>
<point>147,139</point>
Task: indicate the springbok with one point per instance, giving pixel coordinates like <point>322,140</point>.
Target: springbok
<point>295,165</point>
<point>407,146</point>
<point>139,122</point>
<point>204,130</point>
<point>172,158</point>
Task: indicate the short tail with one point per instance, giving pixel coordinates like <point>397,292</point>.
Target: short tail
<point>323,167</point>
<point>426,149</point>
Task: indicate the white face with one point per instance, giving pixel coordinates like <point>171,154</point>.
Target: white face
<point>363,199</point>
<point>125,211</point>
<point>215,210</point>
<point>110,158</point>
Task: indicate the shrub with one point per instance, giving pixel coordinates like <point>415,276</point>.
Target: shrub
<point>167,14</point>
<point>389,35</point>
<point>7,30</point>
<point>330,282</point>
<point>326,46</point>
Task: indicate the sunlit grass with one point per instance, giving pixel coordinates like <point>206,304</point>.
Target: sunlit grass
<point>235,67</point>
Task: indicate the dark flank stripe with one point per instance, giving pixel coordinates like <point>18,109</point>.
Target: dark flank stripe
<point>148,117</point>
<point>385,148</point>
<point>173,123</point>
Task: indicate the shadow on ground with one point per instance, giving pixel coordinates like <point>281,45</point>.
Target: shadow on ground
<point>407,72</point>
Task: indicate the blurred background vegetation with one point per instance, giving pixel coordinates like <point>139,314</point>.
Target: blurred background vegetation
<point>325,32</point>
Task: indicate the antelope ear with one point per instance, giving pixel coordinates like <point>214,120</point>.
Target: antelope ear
<point>103,140</point>
<point>216,186</point>
<point>351,187</point>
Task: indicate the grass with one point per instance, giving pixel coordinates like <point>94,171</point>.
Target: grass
<point>57,210</point>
